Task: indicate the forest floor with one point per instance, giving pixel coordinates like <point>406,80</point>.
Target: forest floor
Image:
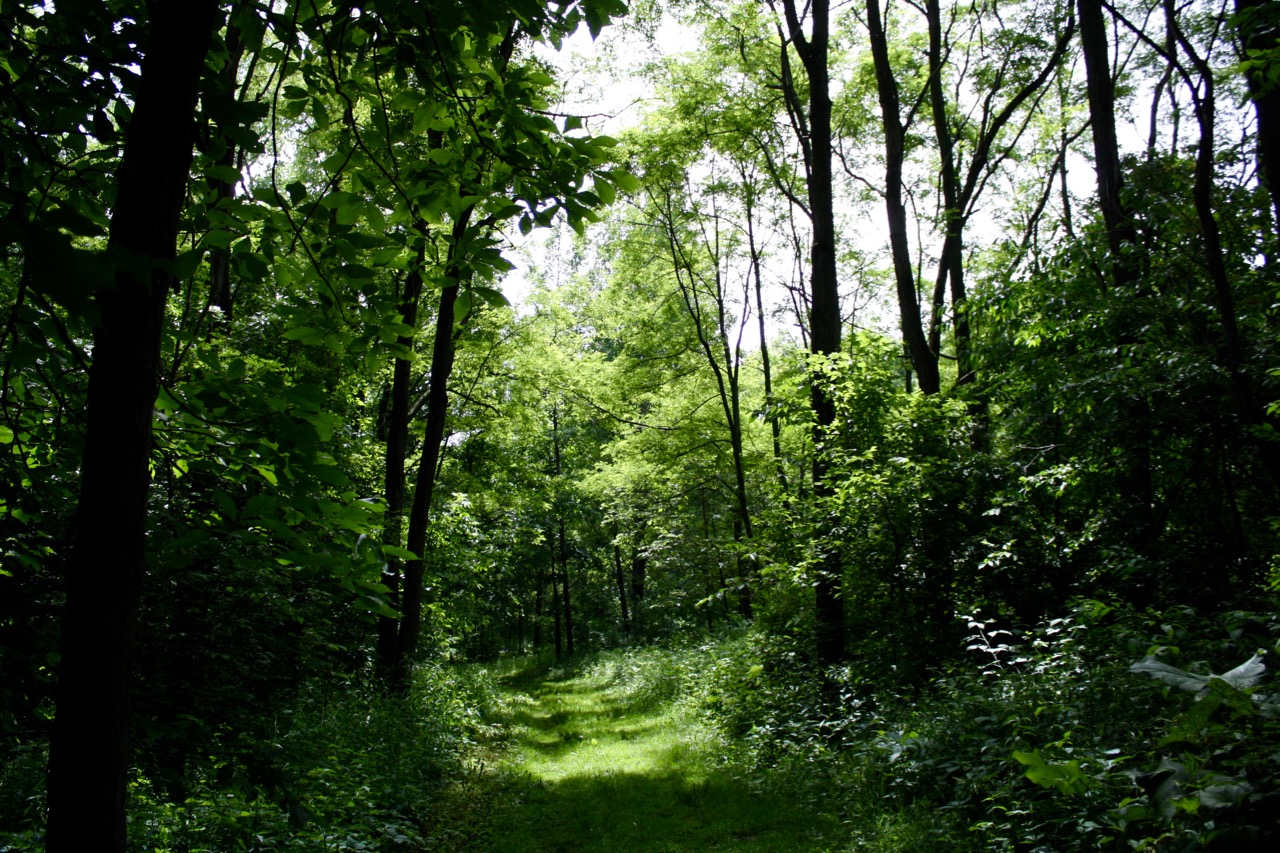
<point>581,767</point>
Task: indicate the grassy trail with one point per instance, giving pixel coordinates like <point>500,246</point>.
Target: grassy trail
<point>590,770</point>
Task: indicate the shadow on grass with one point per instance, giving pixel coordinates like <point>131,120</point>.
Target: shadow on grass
<point>648,813</point>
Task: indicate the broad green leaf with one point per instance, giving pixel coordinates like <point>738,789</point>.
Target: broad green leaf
<point>304,335</point>
<point>230,174</point>
<point>398,552</point>
<point>462,306</point>
<point>490,295</point>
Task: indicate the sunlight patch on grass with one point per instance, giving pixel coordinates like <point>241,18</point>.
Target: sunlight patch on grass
<point>595,771</point>
<point>581,728</point>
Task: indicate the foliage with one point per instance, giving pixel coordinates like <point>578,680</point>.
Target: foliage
<point>340,767</point>
<point>1044,741</point>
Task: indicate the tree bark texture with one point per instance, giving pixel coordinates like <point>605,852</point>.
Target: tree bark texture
<point>1134,476</point>
<point>620,580</point>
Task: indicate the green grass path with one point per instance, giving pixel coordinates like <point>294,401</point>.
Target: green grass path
<point>590,771</point>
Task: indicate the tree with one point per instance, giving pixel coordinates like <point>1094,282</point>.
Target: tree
<point>824,311</point>
<point>88,764</point>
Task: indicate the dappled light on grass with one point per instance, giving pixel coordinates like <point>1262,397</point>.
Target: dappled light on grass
<point>595,769</point>
<point>577,729</point>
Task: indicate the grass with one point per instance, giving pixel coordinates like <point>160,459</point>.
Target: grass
<point>593,765</point>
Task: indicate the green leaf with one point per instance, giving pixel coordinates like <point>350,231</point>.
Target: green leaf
<point>398,552</point>
<point>462,307</point>
<point>491,296</point>
<point>230,174</point>
<point>305,335</point>
<point>1067,777</point>
<point>6,435</point>
<point>626,181</point>
<point>407,100</point>
<point>218,240</point>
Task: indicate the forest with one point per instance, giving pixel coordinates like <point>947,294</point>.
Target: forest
<point>549,425</point>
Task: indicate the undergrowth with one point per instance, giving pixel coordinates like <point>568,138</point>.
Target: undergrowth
<point>1049,741</point>
<point>1106,729</point>
<point>347,769</point>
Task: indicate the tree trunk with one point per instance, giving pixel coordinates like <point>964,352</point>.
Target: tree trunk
<point>775,425</point>
<point>537,615</point>
<point>1232,348</point>
<point>89,749</point>
<point>1134,479</point>
<point>564,579</point>
<point>639,568</point>
<point>394,478</point>
<point>824,313</point>
<point>442,354</point>
<point>725,366</point>
<point>923,359</point>
<point>1106,148</point>
<point>556,612</point>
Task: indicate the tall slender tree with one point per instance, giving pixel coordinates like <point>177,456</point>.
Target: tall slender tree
<point>89,750</point>
<point>812,45</point>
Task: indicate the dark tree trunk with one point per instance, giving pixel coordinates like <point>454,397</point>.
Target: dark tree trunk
<point>537,615</point>
<point>1134,479</point>
<point>89,750</point>
<point>775,424</point>
<point>824,313</point>
<point>220,291</point>
<point>394,479</point>
<point>564,579</point>
<point>1232,348</point>
<point>639,568</point>
<point>556,612</point>
<point>923,359</point>
<point>442,354</point>
<point>1106,148</point>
